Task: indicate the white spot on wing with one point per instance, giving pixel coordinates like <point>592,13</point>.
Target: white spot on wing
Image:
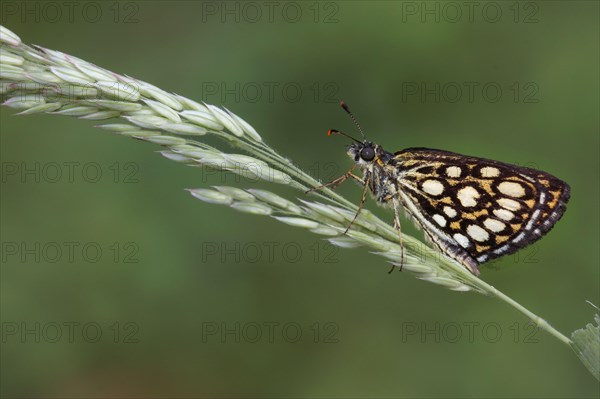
<point>461,240</point>
<point>453,171</point>
<point>501,249</point>
<point>533,219</point>
<point>439,219</point>
<point>511,188</point>
<point>467,196</point>
<point>490,171</point>
<point>451,212</point>
<point>509,204</point>
<point>433,187</point>
<point>519,237</point>
<point>477,233</point>
<point>504,214</point>
<point>494,225</point>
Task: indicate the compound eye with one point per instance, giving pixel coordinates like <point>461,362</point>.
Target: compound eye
<point>367,154</point>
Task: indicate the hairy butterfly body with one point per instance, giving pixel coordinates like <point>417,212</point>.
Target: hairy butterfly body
<point>473,209</point>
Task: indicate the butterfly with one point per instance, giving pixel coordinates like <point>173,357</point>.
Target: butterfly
<point>472,209</point>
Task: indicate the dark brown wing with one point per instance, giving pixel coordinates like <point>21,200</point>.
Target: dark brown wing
<point>477,209</point>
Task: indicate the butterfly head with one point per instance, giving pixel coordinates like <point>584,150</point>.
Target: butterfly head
<point>360,152</point>
<point>364,153</point>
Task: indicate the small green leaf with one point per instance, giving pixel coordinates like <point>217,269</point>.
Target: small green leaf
<point>586,343</point>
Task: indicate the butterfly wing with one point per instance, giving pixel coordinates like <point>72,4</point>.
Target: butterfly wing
<point>477,209</point>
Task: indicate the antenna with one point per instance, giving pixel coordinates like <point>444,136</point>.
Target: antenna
<point>334,131</point>
<point>345,107</point>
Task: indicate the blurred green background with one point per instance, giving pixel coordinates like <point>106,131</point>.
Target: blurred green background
<point>176,278</point>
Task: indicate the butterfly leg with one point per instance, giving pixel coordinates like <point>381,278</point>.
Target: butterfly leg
<point>397,227</point>
<point>362,200</point>
<point>336,182</point>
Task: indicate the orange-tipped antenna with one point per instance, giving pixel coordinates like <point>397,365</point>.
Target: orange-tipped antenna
<point>345,107</point>
<point>333,131</point>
